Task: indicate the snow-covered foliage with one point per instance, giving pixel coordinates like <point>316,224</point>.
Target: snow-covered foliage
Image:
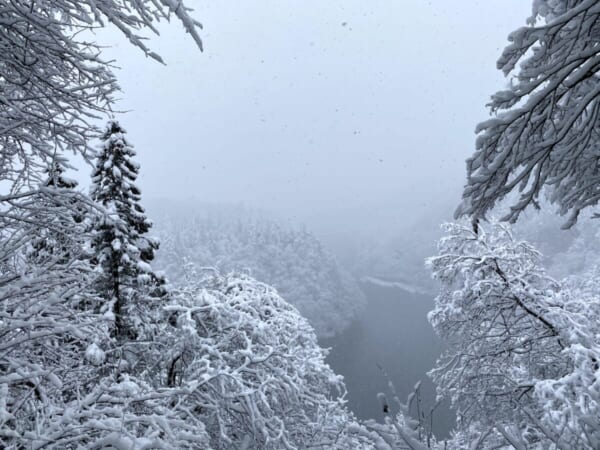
<point>545,132</point>
<point>225,363</point>
<point>260,379</point>
<point>121,414</point>
<point>122,251</point>
<point>293,261</point>
<point>54,81</point>
<point>64,383</point>
<point>571,403</point>
<point>44,281</point>
<point>522,361</point>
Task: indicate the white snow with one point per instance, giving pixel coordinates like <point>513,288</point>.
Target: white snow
<point>94,354</point>
<point>413,289</point>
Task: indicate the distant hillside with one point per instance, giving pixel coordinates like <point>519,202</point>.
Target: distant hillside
<point>232,238</point>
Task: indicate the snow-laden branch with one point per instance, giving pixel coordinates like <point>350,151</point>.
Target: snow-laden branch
<point>545,133</point>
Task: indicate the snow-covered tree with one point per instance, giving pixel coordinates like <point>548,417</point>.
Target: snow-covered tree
<point>122,250</point>
<point>61,380</point>
<point>260,378</point>
<point>53,79</point>
<point>545,133</point>
<point>521,366</point>
<point>55,84</point>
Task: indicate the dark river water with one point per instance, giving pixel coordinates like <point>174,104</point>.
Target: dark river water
<point>392,334</point>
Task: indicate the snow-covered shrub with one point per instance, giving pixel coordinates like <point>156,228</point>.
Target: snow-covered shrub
<point>260,378</point>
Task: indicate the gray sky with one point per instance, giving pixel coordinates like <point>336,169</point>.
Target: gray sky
<point>358,110</point>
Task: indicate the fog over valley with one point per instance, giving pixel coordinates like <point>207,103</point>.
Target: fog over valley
<point>345,116</point>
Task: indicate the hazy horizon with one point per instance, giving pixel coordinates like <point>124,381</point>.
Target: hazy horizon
<point>321,113</point>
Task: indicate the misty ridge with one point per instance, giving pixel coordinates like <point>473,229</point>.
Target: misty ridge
<point>236,240</point>
<point>256,232</point>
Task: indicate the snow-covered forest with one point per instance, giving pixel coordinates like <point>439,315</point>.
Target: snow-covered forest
<point>234,239</point>
<point>233,308</point>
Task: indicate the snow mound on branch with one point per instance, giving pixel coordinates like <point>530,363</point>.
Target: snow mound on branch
<point>94,355</point>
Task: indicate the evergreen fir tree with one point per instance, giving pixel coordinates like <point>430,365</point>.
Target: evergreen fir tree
<point>122,252</point>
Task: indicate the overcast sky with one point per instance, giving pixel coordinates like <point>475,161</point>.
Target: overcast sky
<point>359,110</point>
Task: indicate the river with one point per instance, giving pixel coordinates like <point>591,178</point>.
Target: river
<point>390,341</point>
